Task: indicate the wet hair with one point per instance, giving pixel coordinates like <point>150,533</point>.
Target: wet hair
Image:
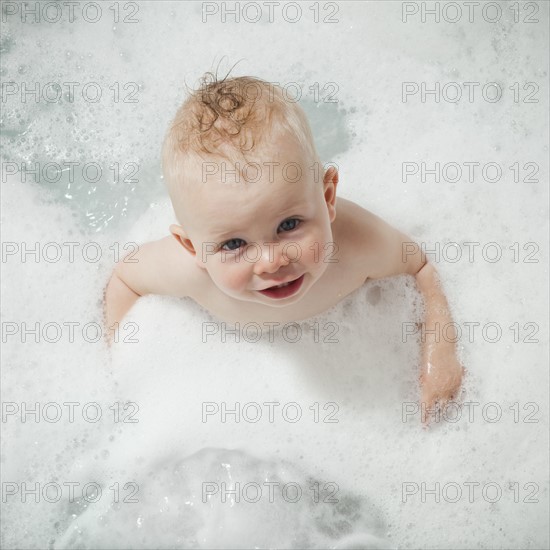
<point>230,118</point>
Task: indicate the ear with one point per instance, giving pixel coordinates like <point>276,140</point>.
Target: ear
<point>330,182</point>
<point>181,236</point>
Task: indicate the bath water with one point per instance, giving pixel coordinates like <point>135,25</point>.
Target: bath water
<point>191,434</point>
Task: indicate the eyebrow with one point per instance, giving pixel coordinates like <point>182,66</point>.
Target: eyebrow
<point>223,232</point>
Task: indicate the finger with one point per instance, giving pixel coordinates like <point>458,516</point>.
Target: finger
<point>427,407</point>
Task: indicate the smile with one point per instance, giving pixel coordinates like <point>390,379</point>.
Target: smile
<point>284,290</point>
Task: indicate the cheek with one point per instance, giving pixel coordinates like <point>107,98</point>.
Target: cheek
<point>232,275</point>
<point>315,246</point>
<point>309,252</point>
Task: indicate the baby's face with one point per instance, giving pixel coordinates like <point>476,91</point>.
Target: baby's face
<point>253,237</point>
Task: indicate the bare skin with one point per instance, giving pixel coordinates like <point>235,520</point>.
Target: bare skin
<point>239,239</point>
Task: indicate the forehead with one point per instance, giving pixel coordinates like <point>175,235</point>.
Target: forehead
<point>278,178</point>
<point>215,202</point>
<point>271,157</point>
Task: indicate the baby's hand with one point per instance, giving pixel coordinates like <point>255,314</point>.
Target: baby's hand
<point>441,378</point>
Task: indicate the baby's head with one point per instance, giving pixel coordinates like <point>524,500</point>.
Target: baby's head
<point>254,205</point>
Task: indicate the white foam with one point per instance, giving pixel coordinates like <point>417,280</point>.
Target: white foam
<point>369,373</point>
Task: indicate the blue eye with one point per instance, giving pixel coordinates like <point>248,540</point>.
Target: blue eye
<point>290,224</point>
<point>236,242</point>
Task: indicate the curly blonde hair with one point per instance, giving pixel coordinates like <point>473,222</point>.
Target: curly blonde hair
<point>229,118</point>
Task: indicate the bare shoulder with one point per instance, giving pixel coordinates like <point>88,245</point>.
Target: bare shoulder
<point>160,267</point>
<point>357,227</point>
<point>376,247</point>
<point>354,218</point>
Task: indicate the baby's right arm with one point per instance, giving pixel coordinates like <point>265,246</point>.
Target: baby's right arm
<point>158,267</point>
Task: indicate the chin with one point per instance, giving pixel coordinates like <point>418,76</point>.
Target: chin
<point>280,303</point>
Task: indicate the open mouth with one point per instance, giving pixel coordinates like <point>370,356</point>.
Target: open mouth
<point>284,290</point>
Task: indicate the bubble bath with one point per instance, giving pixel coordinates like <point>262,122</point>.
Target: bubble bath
<point>192,434</point>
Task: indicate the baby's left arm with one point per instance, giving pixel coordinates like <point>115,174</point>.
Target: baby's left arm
<point>388,252</point>
<point>441,372</point>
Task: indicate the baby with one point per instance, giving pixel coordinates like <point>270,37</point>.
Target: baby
<point>262,236</point>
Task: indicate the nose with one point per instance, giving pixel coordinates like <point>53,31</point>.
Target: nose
<point>271,259</point>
